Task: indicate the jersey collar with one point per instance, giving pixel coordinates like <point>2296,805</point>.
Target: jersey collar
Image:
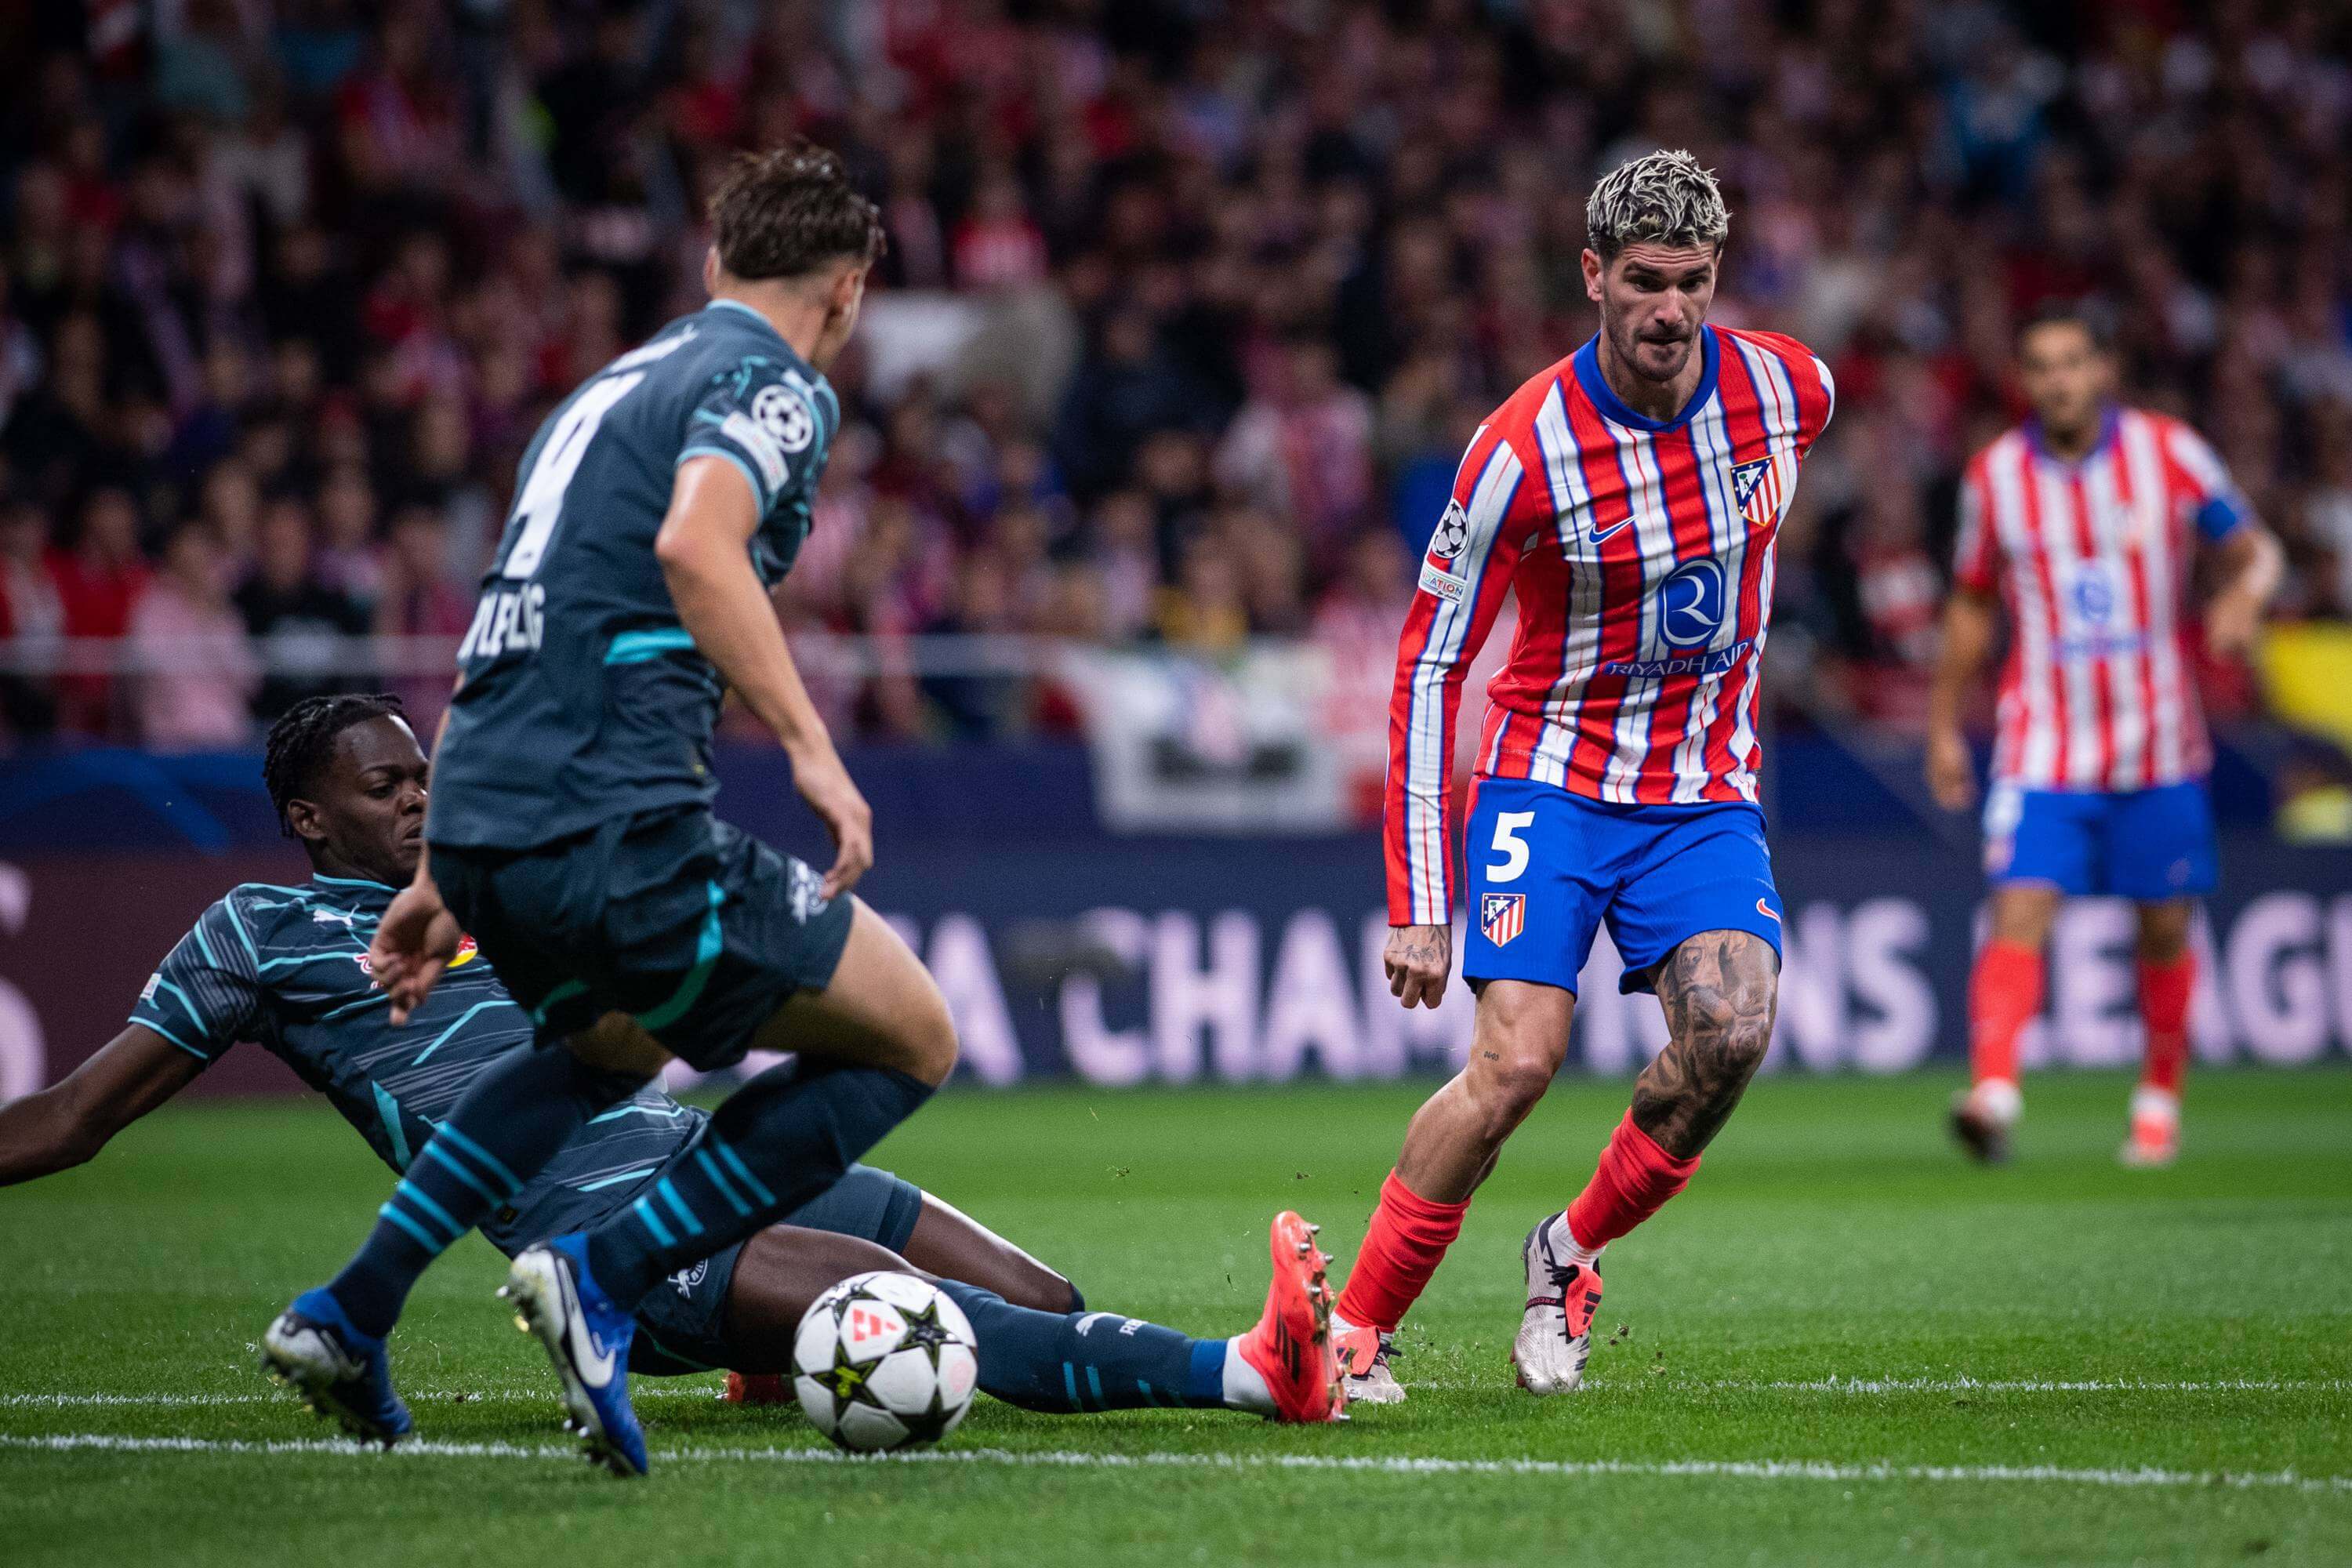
<point>2110,418</point>
<point>363,892</point>
<point>1612,408</point>
<point>816,377</point>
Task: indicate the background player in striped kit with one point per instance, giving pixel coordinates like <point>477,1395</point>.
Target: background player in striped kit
<point>2084,522</point>
<point>1632,494</point>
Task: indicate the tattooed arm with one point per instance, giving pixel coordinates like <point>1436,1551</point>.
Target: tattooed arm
<point>1719,989</point>
<point>1419,960</point>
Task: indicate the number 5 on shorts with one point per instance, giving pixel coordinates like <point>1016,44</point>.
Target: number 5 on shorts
<point>1508,824</point>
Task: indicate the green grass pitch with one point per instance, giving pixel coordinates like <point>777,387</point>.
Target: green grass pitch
<point>1843,1345</point>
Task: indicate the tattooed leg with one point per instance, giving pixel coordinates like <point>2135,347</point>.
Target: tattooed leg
<point>1719,989</point>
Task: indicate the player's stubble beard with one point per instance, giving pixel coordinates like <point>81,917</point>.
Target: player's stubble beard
<point>1629,346</point>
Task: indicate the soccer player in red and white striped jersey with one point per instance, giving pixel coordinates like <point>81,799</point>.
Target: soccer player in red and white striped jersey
<point>2084,524</point>
<point>1630,494</point>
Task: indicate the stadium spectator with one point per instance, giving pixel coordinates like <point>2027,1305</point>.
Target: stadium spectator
<point>32,620</point>
<point>196,669</point>
<point>1186,253</point>
<point>307,634</point>
<point>99,581</point>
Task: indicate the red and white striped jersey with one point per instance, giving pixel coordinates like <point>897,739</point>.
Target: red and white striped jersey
<point>1642,553</point>
<point>2091,560</point>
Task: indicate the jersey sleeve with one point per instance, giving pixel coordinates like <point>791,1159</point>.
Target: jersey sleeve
<point>1809,379</point>
<point>1465,575</point>
<point>207,996</point>
<point>2218,507</point>
<point>1976,550</point>
<point>767,420</point>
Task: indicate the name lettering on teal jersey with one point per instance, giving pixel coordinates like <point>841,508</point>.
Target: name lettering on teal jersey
<point>583,699</point>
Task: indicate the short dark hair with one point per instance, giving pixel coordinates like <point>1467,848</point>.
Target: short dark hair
<point>2090,314</point>
<point>304,738</point>
<point>786,213</point>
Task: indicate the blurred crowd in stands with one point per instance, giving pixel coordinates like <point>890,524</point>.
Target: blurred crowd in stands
<point>1188,309</point>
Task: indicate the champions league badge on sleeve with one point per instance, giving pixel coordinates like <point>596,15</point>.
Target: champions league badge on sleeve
<point>1451,535</point>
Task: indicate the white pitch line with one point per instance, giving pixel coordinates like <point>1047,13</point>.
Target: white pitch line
<point>1851,1386</point>
<point>1703,1469</point>
<point>212,1401</point>
<point>2048,1385</point>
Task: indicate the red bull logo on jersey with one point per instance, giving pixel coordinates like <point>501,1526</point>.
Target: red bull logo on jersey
<point>1756,486</point>
<point>1502,916</point>
<point>466,953</point>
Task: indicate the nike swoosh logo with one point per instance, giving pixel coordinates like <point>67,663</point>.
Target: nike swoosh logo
<point>1768,911</point>
<point>593,1362</point>
<point>1599,535</point>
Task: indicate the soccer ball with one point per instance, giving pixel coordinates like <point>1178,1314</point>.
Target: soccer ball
<point>885,1361</point>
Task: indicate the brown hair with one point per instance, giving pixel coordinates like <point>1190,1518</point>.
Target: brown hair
<point>784,214</point>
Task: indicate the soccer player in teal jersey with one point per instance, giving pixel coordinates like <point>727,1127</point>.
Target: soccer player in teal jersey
<point>572,834</point>
<point>287,967</point>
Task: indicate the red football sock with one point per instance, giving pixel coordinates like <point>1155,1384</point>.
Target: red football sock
<point>2004,994</point>
<point>1633,1182</point>
<point>2164,992</point>
<point>1406,1241</point>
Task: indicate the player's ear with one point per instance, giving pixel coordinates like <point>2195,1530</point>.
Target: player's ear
<point>302,816</point>
<point>848,289</point>
<point>710,271</point>
<point>1594,269</point>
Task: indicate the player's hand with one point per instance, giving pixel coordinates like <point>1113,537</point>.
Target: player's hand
<point>1951,772</point>
<point>413,943</point>
<point>1419,960</point>
<point>2232,622</point>
<point>830,791</point>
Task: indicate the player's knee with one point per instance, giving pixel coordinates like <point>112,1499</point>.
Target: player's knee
<point>1746,1042</point>
<point>617,1043</point>
<point>1512,1077</point>
<point>2163,932</point>
<point>2022,916</point>
<point>928,1037</point>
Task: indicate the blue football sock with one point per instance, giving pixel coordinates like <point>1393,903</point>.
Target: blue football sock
<point>771,1146</point>
<point>1065,1364</point>
<point>509,1125</point>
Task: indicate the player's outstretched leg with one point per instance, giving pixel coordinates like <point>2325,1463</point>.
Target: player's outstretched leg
<point>2168,979</point>
<point>872,1046</point>
<point>2004,994</point>
<point>512,1121</point>
<point>339,1372</point>
<point>1076,1363</point>
<point>1520,1040</point>
<point>1719,989</point>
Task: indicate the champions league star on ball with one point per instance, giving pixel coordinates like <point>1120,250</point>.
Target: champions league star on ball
<point>883,1361</point>
<point>1630,494</point>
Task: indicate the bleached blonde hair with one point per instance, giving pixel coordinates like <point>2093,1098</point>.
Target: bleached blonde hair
<point>1663,197</point>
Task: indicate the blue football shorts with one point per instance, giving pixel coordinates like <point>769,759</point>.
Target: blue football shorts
<point>2147,845</point>
<point>1546,868</point>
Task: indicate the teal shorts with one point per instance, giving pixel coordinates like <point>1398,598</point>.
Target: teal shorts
<point>694,928</point>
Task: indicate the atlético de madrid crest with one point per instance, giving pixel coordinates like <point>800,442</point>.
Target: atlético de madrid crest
<point>1502,916</point>
<point>1756,486</point>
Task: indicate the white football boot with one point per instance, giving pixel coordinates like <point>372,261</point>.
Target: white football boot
<point>1556,1335</point>
<point>1364,1361</point>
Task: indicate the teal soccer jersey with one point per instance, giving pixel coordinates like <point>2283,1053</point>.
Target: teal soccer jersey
<point>287,968</point>
<point>583,698</point>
